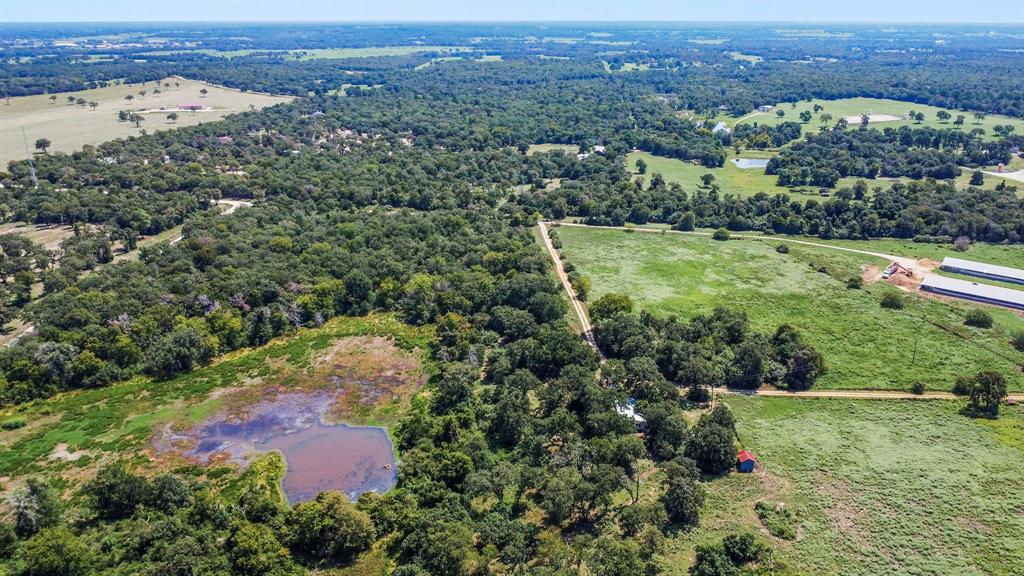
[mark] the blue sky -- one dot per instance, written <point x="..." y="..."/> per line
<point x="995" y="11"/>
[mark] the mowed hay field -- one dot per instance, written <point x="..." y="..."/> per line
<point x="69" y="127"/>
<point x="874" y="487"/>
<point x="746" y="182"/>
<point x="864" y="345"/>
<point x="857" y="106"/>
<point x="731" y="179"/>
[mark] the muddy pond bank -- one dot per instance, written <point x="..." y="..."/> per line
<point x="320" y="454"/>
<point x="306" y="414"/>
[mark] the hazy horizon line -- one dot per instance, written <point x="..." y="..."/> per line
<point x="517" y="21"/>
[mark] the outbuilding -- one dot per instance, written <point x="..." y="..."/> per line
<point x="987" y="294"/>
<point x="983" y="270"/>
<point x="745" y="461"/>
<point x="629" y="411"/>
<point x="765" y="108"/>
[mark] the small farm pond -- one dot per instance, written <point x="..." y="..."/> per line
<point x="319" y="455"/>
<point x="746" y="163"/>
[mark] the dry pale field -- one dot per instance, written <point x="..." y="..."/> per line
<point x="69" y="127"/>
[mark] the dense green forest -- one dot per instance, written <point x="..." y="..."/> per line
<point x="418" y="195"/>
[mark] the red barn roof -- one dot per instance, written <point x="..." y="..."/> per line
<point x="746" y="455"/>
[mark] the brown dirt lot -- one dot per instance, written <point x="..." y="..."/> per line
<point x="371" y="376"/>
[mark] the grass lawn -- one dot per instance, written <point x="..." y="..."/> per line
<point x="864" y="345"/>
<point x="49" y="236"/>
<point x="541" y="148"/>
<point x="746" y="182"/>
<point x="875" y="487"/>
<point x="120" y="420"/>
<point x="627" y="67"/>
<point x="69" y="127"/>
<point x="742" y="182"/>
<point x="858" y="106"/>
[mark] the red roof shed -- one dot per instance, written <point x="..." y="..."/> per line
<point x="746" y="461"/>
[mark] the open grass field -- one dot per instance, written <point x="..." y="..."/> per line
<point x="541" y="148"/>
<point x="858" y="106"/>
<point x="742" y="182"/>
<point x="732" y="180"/>
<point x="864" y="345"/>
<point x="746" y="182"/>
<point x="95" y="426"/>
<point x="874" y="487"/>
<point x="69" y="127"/>
<point x="49" y="236"/>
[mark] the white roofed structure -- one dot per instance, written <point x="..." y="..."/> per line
<point x="982" y="270"/>
<point x="985" y="293"/>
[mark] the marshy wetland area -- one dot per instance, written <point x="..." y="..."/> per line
<point x="323" y="400"/>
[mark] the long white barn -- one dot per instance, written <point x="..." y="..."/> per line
<point x="996" y="295"/>
<point x="982" y="270"/>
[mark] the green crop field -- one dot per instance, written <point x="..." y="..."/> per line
<point x="864" y="345"/>
<point x="857" y="106"/>
<point x="874" y="487"/>
<point x="69" y="127"/>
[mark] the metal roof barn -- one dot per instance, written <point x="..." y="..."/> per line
<point x="982" y="270"/>
<point x="984" y="293"/>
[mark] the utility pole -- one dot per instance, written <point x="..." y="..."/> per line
<point x="31" y="164"/>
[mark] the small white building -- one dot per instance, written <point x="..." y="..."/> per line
<point x="721" y="127"/>
<point x="629" y="411"/>
<point x="765" y="108"/>
<point x="598" y="149"/>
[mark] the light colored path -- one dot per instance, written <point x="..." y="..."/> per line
<point x="854" y="394"/>
<point x="577" y="306"/>
<point x="1017" y="175"/>
<point x="232" y="206"/>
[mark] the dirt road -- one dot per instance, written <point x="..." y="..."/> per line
<point x="854" y="394"/>
<point x="232" y="206"/>
<point x="577" y="306"/>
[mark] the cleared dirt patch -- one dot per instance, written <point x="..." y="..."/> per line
<point x="61" y="452"/>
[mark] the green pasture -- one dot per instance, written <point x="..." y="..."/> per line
<point x="746" y="182"/>
<point x="858" y="106"/>
<point x="864" y="345"/>
<point x="873" y="487"/>
<point x="542" y="148"/>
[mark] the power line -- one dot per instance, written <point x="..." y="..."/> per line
<point x="31" y="164"/>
